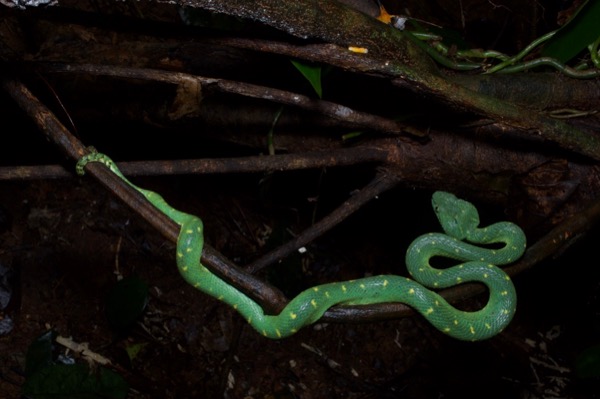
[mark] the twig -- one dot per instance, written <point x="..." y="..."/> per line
<point x="251" y="164"/>
<point x="83" y="350"/>
<point x="390" y="47"/>
<point x="263" y="293"/>
<point x="336" y="111"/>
<point x="271" y="298"/>
<point x="556" y="241"/>
<point x="381" y="183"/>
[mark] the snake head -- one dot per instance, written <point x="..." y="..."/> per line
<point x="457" y="217"/>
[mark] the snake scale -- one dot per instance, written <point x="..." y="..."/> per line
<point x="460" y="222"/>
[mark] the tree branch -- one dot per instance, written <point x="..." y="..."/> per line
<point x="332" y="22"/>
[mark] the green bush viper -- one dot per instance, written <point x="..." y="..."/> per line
<point x="459" y="220"/>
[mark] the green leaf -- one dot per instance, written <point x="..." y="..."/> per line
<point x="134" y="350"/>
<point x="587" y="364"/>
<point x="39" y="353"/>
<point x="74" y="382"/>
<point x="352" y="135"/>
<point x="312" y="73"/>
<point x="126" y="302"/>
<point x="575" y="35"/>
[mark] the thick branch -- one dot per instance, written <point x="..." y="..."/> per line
<point x="321" y="20"/>
<point x="66" y="142"/>
<point x="328" y="21"/>
<point x="193" y="86"/>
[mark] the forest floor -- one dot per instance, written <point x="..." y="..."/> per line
<point x="67" y="242"/>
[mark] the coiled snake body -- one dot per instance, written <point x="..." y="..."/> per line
<point x="459" y="220"/>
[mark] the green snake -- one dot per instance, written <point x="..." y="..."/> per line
<point x="459" y="220"/>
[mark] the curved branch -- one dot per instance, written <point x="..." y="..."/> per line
<point x="331" y="22"/>
<point x="556" y="241"/>
<point x="338" y="112"/>
<point x="383" y="182"/>
<point x="270" y="297"/>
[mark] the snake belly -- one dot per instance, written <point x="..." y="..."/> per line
<point x="458" y="218"/>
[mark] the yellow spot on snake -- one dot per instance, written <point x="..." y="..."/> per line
<point x="315" y="289"/>
<point x="411" y="291"/>
<point x="344" y="288"/>
<point x="363" y="286"/>
<point x="429" y="311"/>
<point x="196" y="285"/>
<point x="385" y="283"/>
<point x="472" y="329"/>
<point x="447" y="329"/>
<point x="184" y="268"/>
<point x="458" y="279"/>
<point x="278" y="333"/>
<point x="189" y="231"/>
<point x="455" y="322"/>
<point x="188" y="249"/>
<point x="485" y="275"/>
<point x="504" y="293"/>
<point x="488" y="326"/>
<point x="179" y="255"/>
<point x="327" y="294"/>
<point x="313" y="303"/>
<point x="235" y="306"/>
<point x="264" y="333"/>
<point x="293" y="315"/>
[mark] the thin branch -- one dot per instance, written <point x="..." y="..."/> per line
<point x="335" y="111"/>
<point x="558" y="239"/>
<point x="380" y="184"/>
<point x="251" y="164"/>
<point x="555" y="242"/>
<point x="38" y="172"/>
<point x="265" y="294"/>
<point x="303" y="18"/>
